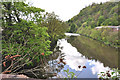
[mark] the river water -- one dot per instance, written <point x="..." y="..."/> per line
<point x="82" y="51"/>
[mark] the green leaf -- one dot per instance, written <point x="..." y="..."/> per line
<point x="72" y="73"/>
<point x="112" y="73"/>
<point x="102" y="72"/>
<point x="67" y="70"/>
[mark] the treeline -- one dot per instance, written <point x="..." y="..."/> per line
<point x="106" y="35"/>
<point x="103" y="14"/>
<point x="28" y="35"/>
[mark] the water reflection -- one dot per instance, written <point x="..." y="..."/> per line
<point x="73" y="59"/>
<point x="96" y="50"/>
<point x="82" y="51"/>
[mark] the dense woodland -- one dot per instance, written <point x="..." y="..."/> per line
<point x="103" y="14"/>
<point x="29" y="35"/>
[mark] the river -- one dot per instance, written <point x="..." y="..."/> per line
<point x="82" y="51"/>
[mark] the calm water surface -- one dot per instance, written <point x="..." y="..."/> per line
<point x="80" y="50"/>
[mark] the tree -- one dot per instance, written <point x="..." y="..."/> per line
<point x="100" y="20"/>
<point x="23" y="39"/>
<point x="93" y="24"/>
<point x="56" y="27"/>
<point x="73" y="28"/>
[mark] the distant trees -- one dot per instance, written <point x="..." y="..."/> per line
<point x="102" y="14"/>
<point x="101" y="19"/>
<point x="105" y="35"/>
<point x="73" y="28"/>
<point x="93" y="24"/>
<point x="110" y="22"/>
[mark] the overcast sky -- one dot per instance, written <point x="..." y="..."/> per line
<point x="65" y="9"/>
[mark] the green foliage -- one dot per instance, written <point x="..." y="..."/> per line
<point x="100" y="20"/>
<point x="70" y="74"/>
<point x="105" y="35"/>
<point x="115" y="74"/>
<point x="56" y="27"/>
<point x="103" y="14"/>
<point x="27" y="37"/>
<point x="28" y="34"/>
<point x="20" y="31"/>
<point x="96" y="15"/>
<point x="73" y="28"/>
<point x="23" y="35"/>
<point x="96" y="34"/>
<point x="14" y="12"/>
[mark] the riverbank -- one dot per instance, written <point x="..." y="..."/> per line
<point x="16" y="77"/>
<point x="104" y="35"/>
<point x="12" y="76"/>
<point x="106" y="43"/>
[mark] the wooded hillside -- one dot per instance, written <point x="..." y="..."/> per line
<point x="102" y="14"/>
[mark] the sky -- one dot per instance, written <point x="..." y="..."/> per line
<point x="65" y="9"/>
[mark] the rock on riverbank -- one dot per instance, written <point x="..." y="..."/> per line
<point x="12" y="76"/>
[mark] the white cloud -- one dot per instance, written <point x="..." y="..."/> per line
<point x="65" y="9"/>
<point x="72" y="57"/>
<point x="98" y="67"/>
